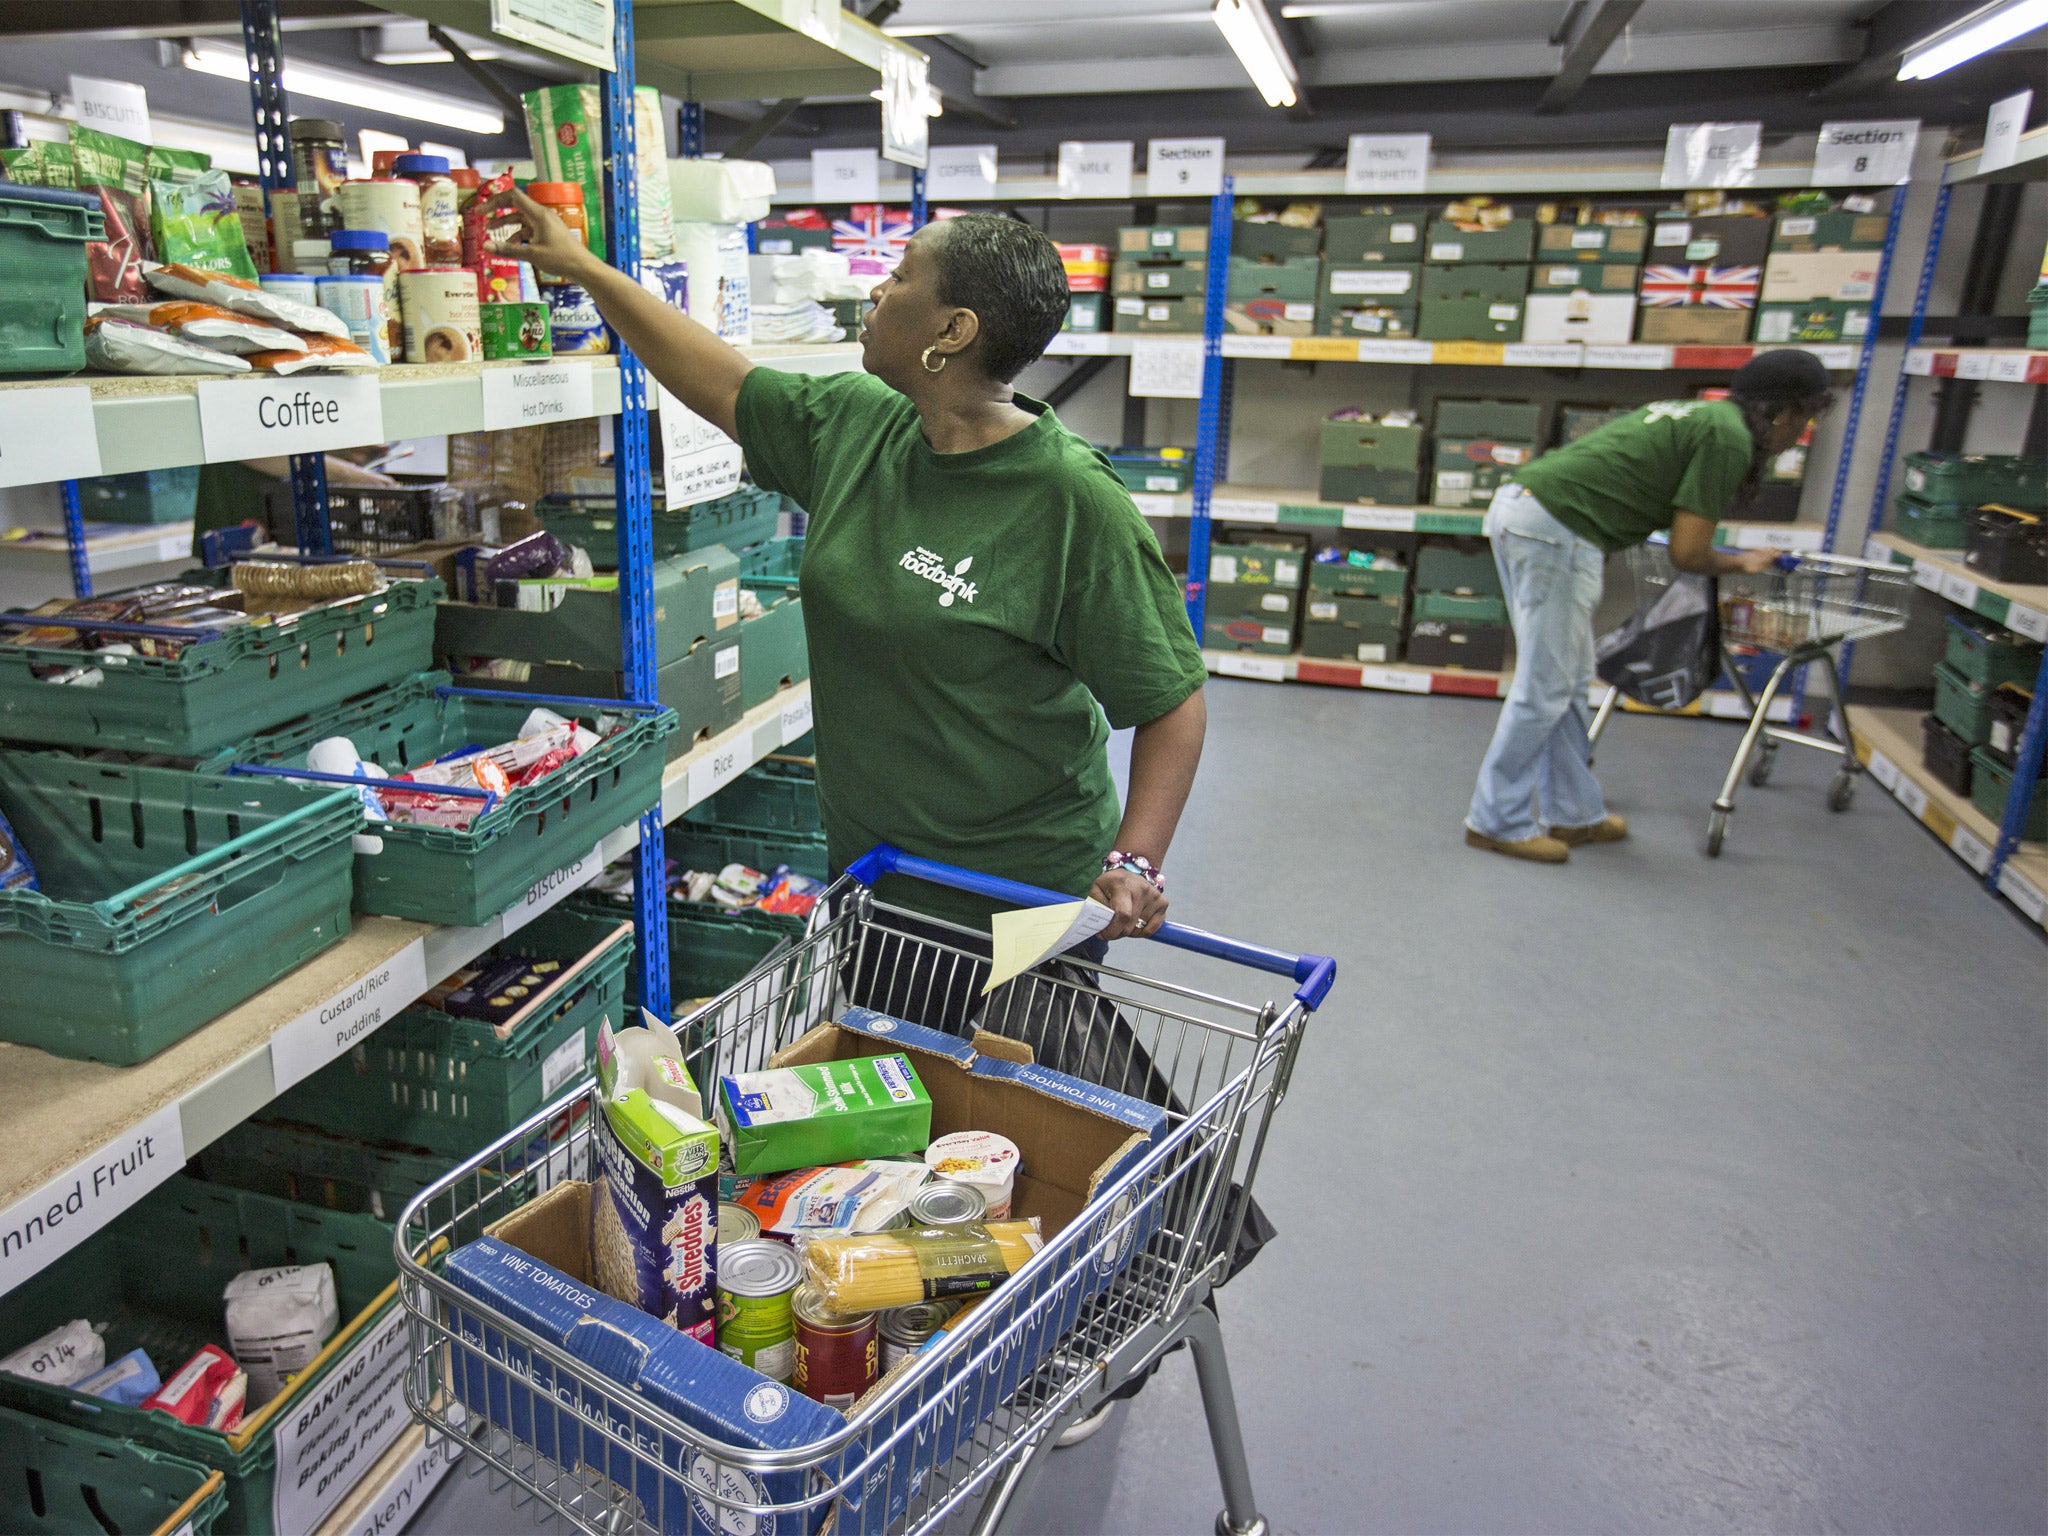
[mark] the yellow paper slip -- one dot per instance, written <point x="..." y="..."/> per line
<point x="1029" y="935"/>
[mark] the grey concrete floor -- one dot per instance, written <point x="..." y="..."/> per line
<point x="1651" y="1193"/>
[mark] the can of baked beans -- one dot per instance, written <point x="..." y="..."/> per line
<point x="837" y="1353"/>
<point x="756" y="1279"/>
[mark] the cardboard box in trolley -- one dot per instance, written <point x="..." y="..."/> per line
<point x="534" y="1269"/>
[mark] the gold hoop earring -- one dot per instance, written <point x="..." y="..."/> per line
<point x="927" y="359"/>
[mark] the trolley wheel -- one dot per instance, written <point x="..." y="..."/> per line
<point x="1841" y="791"/>
<point x="1717" y="832"/>
<point x="1258" y="1527"/>
<point x="1760" y="766"/>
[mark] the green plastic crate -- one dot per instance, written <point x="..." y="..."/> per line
<point x="58" y="1479"/>
<point x="1967" y="480"/>
<point x="151" y="496"/>
<point x="166" y="898"/>
<point x="773" y="802"/>
<point x="282" y="1160"/>
<point x="1988" y="655"/>
<point x="248" y="679"/>
<point x="774" y="652"/>
<point x="696" y="597"/>
<point x="1468" y="610"/>
<point x="155" y="1278"/>
<point x="709" y="949"/>
<point x="469" y="876"/>
<point x="694" y="846"/>
<point x="1462" y="565"/>
<point x="1931" y="525"/>
<point x="772" y="565"/>
<point x="747" y="516"/>
<point x="453" y="1085"/>
<point x="1961" y="705"/>
<point x="43" y="233"/>
<point x="1991" y="787"/>
<point x="1342" y="579"/>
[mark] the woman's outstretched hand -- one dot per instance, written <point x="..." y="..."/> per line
<point x="540" y="237"/>
<point x="1139" y="908"/>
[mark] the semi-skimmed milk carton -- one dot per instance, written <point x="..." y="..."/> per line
<point x="654" y="1210"/>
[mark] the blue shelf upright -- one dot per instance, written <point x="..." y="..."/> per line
<point x="1212" y="433"/>
<point x="264" y="40"/>
<point x="918" y="211"/>
<point x="633" y="486"/>
<point x="74" y="540"/>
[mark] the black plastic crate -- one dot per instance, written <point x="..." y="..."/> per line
<point x="2009" y="705"/>
<point x="373" y="519"/>
<point x="2006" y="544"/>
<point x="1946" y="755"/>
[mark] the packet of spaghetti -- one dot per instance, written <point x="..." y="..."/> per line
<point x="874" y="1271"/>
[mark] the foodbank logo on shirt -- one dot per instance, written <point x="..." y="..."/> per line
<point x="932" y="567"/>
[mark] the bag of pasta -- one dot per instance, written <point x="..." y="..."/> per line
<point x="876" y="1271"/>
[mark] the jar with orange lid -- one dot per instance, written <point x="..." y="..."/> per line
<point x="565" y="198"/>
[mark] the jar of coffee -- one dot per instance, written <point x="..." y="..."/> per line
<point x="319" y="167"/>
<point x="367" y="253"/>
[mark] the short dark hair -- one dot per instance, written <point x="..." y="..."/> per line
<point x="1012" y="277"/>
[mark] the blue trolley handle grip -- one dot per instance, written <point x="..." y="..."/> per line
<point x="1313" y="974"/>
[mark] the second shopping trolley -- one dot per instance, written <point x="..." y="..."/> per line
<point x="1802" y="611"/>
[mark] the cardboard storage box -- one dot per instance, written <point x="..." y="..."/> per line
<point x="1592" y="243"/>
<point x="1180" y="317"/>
<point x="774" y="653"/>
<point x="1269" y="565"/>
<point x="1255" y="239"/>
<point x="1357" y="484"/>
<point x="1513" y="421"/>
<point x="1575" y="421"/>
<point x="1793" y="277"/>
<point x="1464" y="607"/>
<point x="1569" y="277"/>
<point x="1385" y="282"/>
<point x="1374" y="237"/>
<point x="1087" y="312"/>
<point x="1267" y="604"/>
<point x="1512" y="241"/>
<point x="1366" y="321"/>
<point x="1836" y="231"/>
<point x="1457" y="565"/>
<point x="1370" y="612"/>
<point x="1665" y="287"/>
<point x="1694" y="324"/>
<point x="1451" y="643"/>
<point x="1473" y="280"/>
<point x="706" y="688"/>
<point x="1249" y="633"/>
<point x="1725" y="240"/>
<point x="1813" y="320"/>
<point x="1602" y="318"/>
<point x="1270" y="317"/>
<point x="1370" y="443"/>
<point x="1367" y="640"/>
<point x="1470" y="320"/>
<point x="1461" y="485"/>
<point x="1169" y="278"/>
<point x="1295" y="279"/>
<point x="1337" y="578"/>
<point x="1163" y="240"/>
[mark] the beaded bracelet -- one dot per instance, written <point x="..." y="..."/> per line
<point x="1138" y="865"/>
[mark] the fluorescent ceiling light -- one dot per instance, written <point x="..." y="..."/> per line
<point x="351" y="90"/>
<point x="409" y="42"/>
<point x="1249" y="31"/>
<point x="1989" y="27"/>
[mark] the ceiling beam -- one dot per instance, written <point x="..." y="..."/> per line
<point x="764" y="126"/>
<point x="952" y="74"/>
<point x="27" y="21"/>
<point x="1584" y="53"/>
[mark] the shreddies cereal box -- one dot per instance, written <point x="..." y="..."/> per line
<point x="654" y="1211"/>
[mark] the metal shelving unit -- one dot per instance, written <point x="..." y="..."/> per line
<point x="2018" y="873"/>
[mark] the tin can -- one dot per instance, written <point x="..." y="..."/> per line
<point x="736" y="1224"/>
<point x="906" y="1330"/>
<point x="837" y="1353"/>
<point x="756" y="1279"/>
<point x="943" y="1203"/>
<point x="576" y="324"/>
<point x="515" y="330"/>
<point x="440" y="312"/>
<point x="359" y="300"/>
<point x="392" y="206"/>
<point x="299" y="287"/>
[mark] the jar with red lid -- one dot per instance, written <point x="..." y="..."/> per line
<point x="440" y="215"/>
<point x="565" y="198"/>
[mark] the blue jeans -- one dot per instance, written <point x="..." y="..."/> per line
<point x="1536" y="772"/>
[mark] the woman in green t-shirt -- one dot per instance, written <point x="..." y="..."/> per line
<point x="1680" y="465"/>
<point x="979" y="590"/>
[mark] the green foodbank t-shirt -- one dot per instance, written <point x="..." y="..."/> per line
<point x="1618" y="485"/>
<point x="971" y="618"/>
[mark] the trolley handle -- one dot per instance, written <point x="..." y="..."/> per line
<point x="1313" y="974"/>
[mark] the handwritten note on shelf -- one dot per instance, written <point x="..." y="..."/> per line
<point x="1166" y="367"/>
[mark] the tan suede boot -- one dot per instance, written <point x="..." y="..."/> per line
<point x="1538" y="850"/>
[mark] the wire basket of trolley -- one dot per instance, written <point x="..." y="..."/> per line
<point x="1801" y="611"/>
<point x="1140" y="1107"/>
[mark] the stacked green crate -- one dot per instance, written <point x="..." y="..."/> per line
<point x="1354" y="611"/>
<point x="1253" y="602"/>
<point x="1160" y="278"/>
<point x="1939" y="492"/>
<point x="1273" y="296"/>
<point x="1480" y="443"/>
<point x="1372" y="276"/>
<point x="1372" y="462"/>
<point x="1979" y="659"/>
<point x="774" y="649"/>
<point x="1460" y="617"/>
<point x="1153" y="471"/>
<point x="1474" y="281"/>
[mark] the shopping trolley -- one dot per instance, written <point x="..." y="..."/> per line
<point x="957" y="1440"/>
<point x="1801" y="611"/>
